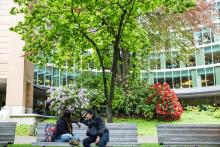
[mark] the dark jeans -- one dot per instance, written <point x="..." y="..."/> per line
<point x="104" y="139"/>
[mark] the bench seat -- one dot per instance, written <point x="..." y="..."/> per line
<point x="120" y="135"/>
<point x="189" y="134"/>
<point x="7" y="133"/>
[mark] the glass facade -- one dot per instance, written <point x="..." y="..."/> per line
<point x="199" y="71"/>
<point x="52" y="76"/>
<point x="201" y="68"/>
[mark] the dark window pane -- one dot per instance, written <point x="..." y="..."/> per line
<point x="203" y="80"/>
<point x="48" y="81"/>
<point x="56" y="81"/>
<point x="208" y="58"/>
<point x="49" y="70"/>
<point x="161" y="80"/>
<point x="40" y="79"/>
<point x="210" y="79"/>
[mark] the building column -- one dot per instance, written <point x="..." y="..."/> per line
<point x="196" y="79"/>
<point x="151" y="78"/>
<point x="29" y="93"/>
<point x="217" y="77"/>
<point x="19" y="93"/>
<point x="200" y="58"/>
<point x="162" y="61"/>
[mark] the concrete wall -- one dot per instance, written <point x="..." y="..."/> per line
<point x="19" y="73"/>
<point x="4" y="38"/>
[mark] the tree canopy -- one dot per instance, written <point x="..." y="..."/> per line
<point x="62" y="32"/>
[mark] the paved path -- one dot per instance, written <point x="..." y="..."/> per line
<point x="30" y="139"/>
<point x="147" y="139"/>
<point x="24" y="139"/>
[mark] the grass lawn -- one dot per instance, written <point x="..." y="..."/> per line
<point x="148" y="127"/>
<point x="28" y="145"/>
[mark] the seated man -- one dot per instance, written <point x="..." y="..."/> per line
<point x="97" y="131"/>
<point x="63" y="132"/>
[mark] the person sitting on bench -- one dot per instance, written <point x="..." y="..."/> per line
<point x="97" y="131"/>
<point x="63" y="132"/>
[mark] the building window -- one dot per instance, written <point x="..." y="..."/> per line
<point x="198" y="38"/>
<point x="155" y="80"/>
<point x="185" y="82"/>
<point x="169" y="79"/>
<point x="191" y="61"/>
<point x="190" y="79"/>
<point x="55" y="77"/>
<point x="175" y="63"/>
<point x="216" y="57"/>
<point x="206" y="37"/>
<point x="41" y="76"/>
<point x="35" y="77"/>
<point x="161" y="80"/>
<point x="70" y="79"/>
<point x="176" y="79"/>
<point x="210" y="79"/>
<point x="185" y="79"/>
<point x="155" y="62"/>
<point x="208" y="58"/>
<point x="203" y="80"/>
<point x="168" y="64"/>
<point x="56" y="81"/>
<point x="48" y="81"/>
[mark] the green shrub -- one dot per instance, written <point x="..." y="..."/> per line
<point x="192" y="109"/>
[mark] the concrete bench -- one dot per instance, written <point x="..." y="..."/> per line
<point x="120" y="135"/>
<point x="7" y="133"/>
<point x="189" y="134"/>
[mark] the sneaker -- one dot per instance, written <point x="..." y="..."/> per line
<point x="74" y="142"/>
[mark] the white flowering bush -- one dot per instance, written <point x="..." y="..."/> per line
<point x="68" y="97"/>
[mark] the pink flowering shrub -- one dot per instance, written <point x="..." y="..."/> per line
<point x="165" y="101"/>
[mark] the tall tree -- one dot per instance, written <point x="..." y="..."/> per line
<point x="61" y="31"/>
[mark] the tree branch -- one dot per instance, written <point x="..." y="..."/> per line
<point x="128" y="15"/>
<point x="110" y="29"/>
<point x="100" y="59"/>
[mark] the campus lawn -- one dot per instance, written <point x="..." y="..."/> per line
<point x="148" y="127"/>
<point x="29" y="145"/>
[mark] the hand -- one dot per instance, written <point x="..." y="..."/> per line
<point x="79" y="125"/>
<point x="97" y="140"/>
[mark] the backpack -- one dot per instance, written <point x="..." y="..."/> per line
<point x="49" y="131"/>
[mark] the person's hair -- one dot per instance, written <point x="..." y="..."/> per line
<point x="91" y="112"/>
<point x="67" y="114"/>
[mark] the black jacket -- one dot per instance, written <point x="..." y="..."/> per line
<point x="62" y="128"/>
<point x="96" y="122"/>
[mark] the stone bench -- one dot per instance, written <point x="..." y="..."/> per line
<point x="189" y="134"/>
<point x="7" y="133"/>
<point x="120" y="135"/>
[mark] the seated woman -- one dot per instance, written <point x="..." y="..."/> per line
<point x="64" y="130"/>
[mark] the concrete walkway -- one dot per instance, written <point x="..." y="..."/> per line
<point x="24" y="139"/>
<point x="30" y="139"/>
<point x="147" y="139"/>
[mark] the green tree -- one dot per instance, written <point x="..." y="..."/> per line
<point x="62" y="31"/>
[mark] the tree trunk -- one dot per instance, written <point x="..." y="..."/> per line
<point x="112" y="86"/>
<point x="114" y="67"/>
